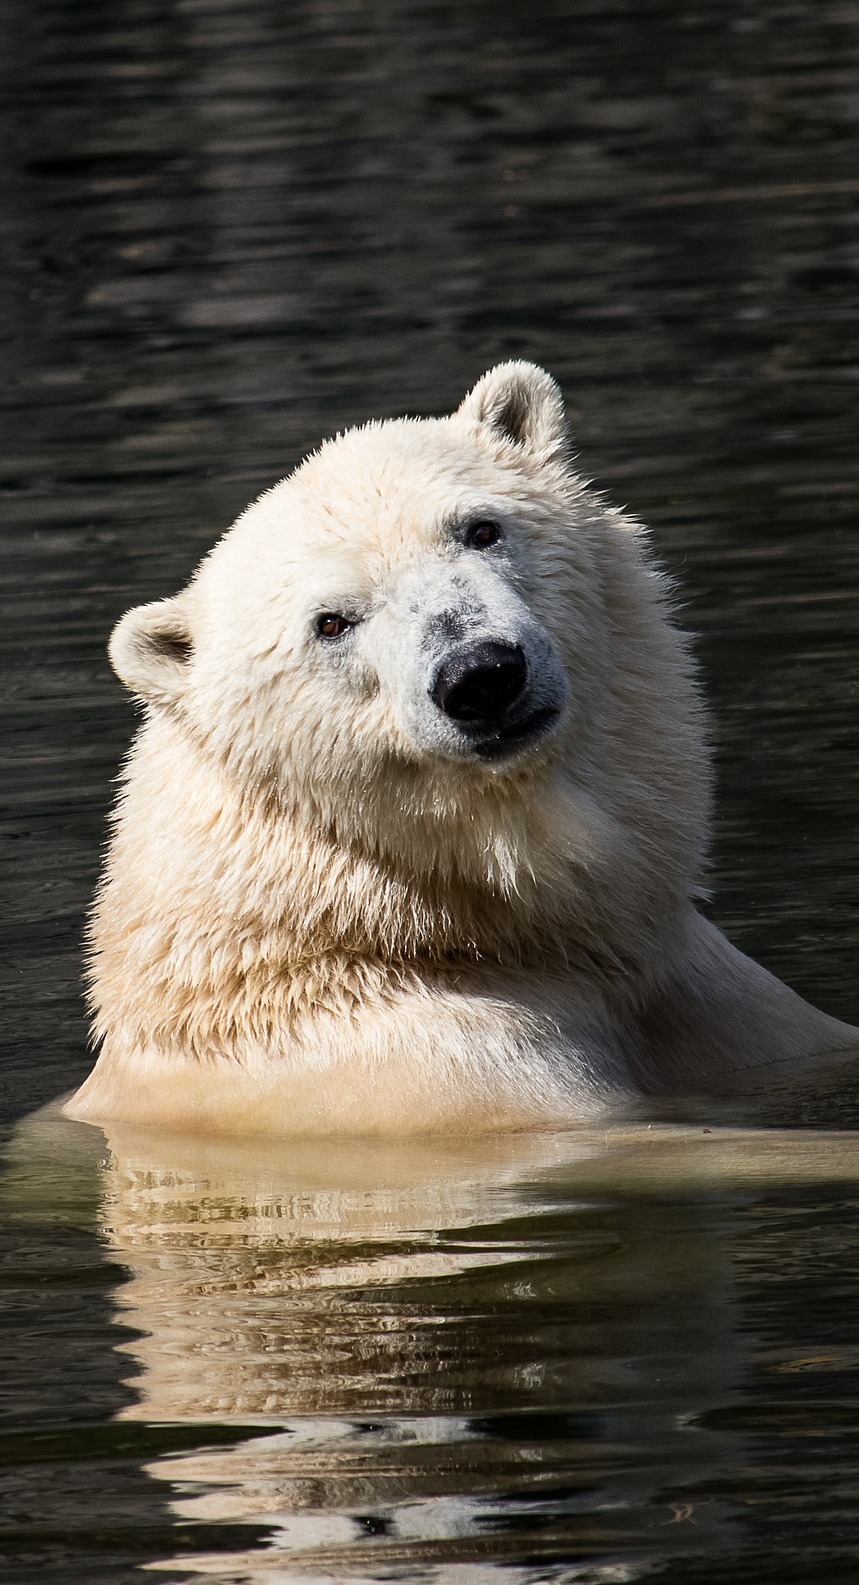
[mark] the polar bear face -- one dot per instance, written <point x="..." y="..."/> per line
<point x="403" y="590"/>
<point x="417" y="607"/>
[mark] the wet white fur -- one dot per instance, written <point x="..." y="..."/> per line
<point x="323" y="913"/>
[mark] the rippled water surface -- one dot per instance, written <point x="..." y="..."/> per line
<point x="229" y="229"/>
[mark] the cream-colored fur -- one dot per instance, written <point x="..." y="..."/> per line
<point x="328" y="908"/>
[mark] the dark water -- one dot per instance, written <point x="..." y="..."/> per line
<point x="228" y="229"/>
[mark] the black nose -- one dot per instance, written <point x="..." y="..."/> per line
<point x="480" y="683"/>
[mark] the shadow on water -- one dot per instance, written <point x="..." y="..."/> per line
<point x="228" y="229"/>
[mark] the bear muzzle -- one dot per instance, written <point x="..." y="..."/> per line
<point x="484" y="690"/>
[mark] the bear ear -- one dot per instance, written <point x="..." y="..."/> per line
<point x="520" y="402"/>
<point x="150" y="650"/>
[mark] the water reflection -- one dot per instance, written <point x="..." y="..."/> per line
<point x="519" y="1352"/>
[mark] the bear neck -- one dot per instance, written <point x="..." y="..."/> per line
<point x="209" y="879"/>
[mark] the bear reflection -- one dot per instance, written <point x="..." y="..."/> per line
<point x="484" y="1350"/>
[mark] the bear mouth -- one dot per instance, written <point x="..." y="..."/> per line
<point x="501" y="741"/>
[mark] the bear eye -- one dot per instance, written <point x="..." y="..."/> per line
<point x="332" y="625"/>
<point x="483" y="533"/>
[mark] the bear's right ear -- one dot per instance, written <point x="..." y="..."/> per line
<point x="150" y="650"/>
<point x="520" y="402"/>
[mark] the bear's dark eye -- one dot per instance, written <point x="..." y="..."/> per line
<point x="483" y="533"/>
<point x="332" y="625"/>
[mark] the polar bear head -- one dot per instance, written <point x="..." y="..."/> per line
<point x="427" y="619"/>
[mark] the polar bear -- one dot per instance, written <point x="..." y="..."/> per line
<point x="411" y="837"/>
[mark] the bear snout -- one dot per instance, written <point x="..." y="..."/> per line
<point x="479" y="684"/>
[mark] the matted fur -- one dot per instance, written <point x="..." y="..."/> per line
<point x="321" y="910"/>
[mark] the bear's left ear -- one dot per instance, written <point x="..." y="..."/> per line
<point x="520" y="402"/>
<point x="151" y="649"/>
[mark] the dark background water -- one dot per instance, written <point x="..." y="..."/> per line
<point x="231" y="228"/>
